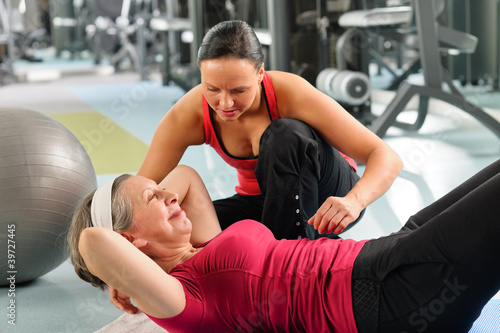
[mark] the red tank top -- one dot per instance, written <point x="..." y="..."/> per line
<point x="244" y="280"/>
<point x="245" y="166"/>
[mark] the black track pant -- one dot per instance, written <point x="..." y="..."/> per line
<point x="439" y="270"/>
<point x="296" y="171"/>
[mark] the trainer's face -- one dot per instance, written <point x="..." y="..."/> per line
<point x="230" y="86"/>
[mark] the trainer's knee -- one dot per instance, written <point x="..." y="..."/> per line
<point x="285" y="132"/>
<point x="289" y="126"/>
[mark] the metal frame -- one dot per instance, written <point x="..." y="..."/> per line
<point x="279" y="50"/>
<point x="434" y="77"/>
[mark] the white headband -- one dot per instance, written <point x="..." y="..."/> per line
<point x="101" y="206"/>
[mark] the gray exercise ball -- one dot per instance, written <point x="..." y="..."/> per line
<point x="44" y="173"/>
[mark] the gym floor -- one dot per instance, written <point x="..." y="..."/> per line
<point x="450" y="147"/>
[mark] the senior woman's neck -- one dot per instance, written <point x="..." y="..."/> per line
<point x="168" y="261"/>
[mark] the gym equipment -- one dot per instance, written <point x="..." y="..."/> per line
<point x="182" y="25"/>
<point x="44" y="173"/>
<point x="120" y="32"/>
<point x="304" y="34"/>
<point x="344" y="86"/>
<point x="394" y="24"/>
<point x="170" y="28"/>
<point x="431" y="38"/>
<point x="4" y="24"/>
<point x="68" y="21"/>
<point x="481" y="19"/>
<point x="6" y="44"/>
<point x="277" y="13"/>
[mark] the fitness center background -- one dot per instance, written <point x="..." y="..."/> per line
<point x="93" y="78"/>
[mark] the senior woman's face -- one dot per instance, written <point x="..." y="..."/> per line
<point x="156" y="212"/>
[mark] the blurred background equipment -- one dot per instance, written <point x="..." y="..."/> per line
<point x="344" y="86"/>
<point x="340" y="46"/>
<point x="481" y="19"/>
<point x="430" y="39"/>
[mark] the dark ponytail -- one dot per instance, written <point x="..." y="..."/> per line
<point x="231" y="39"/>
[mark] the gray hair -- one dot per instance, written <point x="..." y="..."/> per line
<point x="122" y="221"/>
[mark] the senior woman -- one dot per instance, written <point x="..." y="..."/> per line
<point x="136" y="236"/>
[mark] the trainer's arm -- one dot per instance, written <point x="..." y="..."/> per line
<point x="195" y="201"/>
<point x="341" y="130"/>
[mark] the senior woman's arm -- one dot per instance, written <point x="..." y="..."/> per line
<point x="120" y="264"/>
<point x="195" y="201"/>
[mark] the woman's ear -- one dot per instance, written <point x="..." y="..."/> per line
<point x="140" y="243"/>
<point x="137" y="242"/>
<point x="261" y="74"/>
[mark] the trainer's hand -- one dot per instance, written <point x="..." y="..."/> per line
<point x="121" y="301"/>
<point x="335" y="214"/>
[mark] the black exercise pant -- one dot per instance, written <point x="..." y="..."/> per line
<point x="439" y="270"/>
<point x="297" y="171"/>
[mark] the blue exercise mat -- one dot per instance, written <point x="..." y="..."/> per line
<point x="489" y="320"/>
